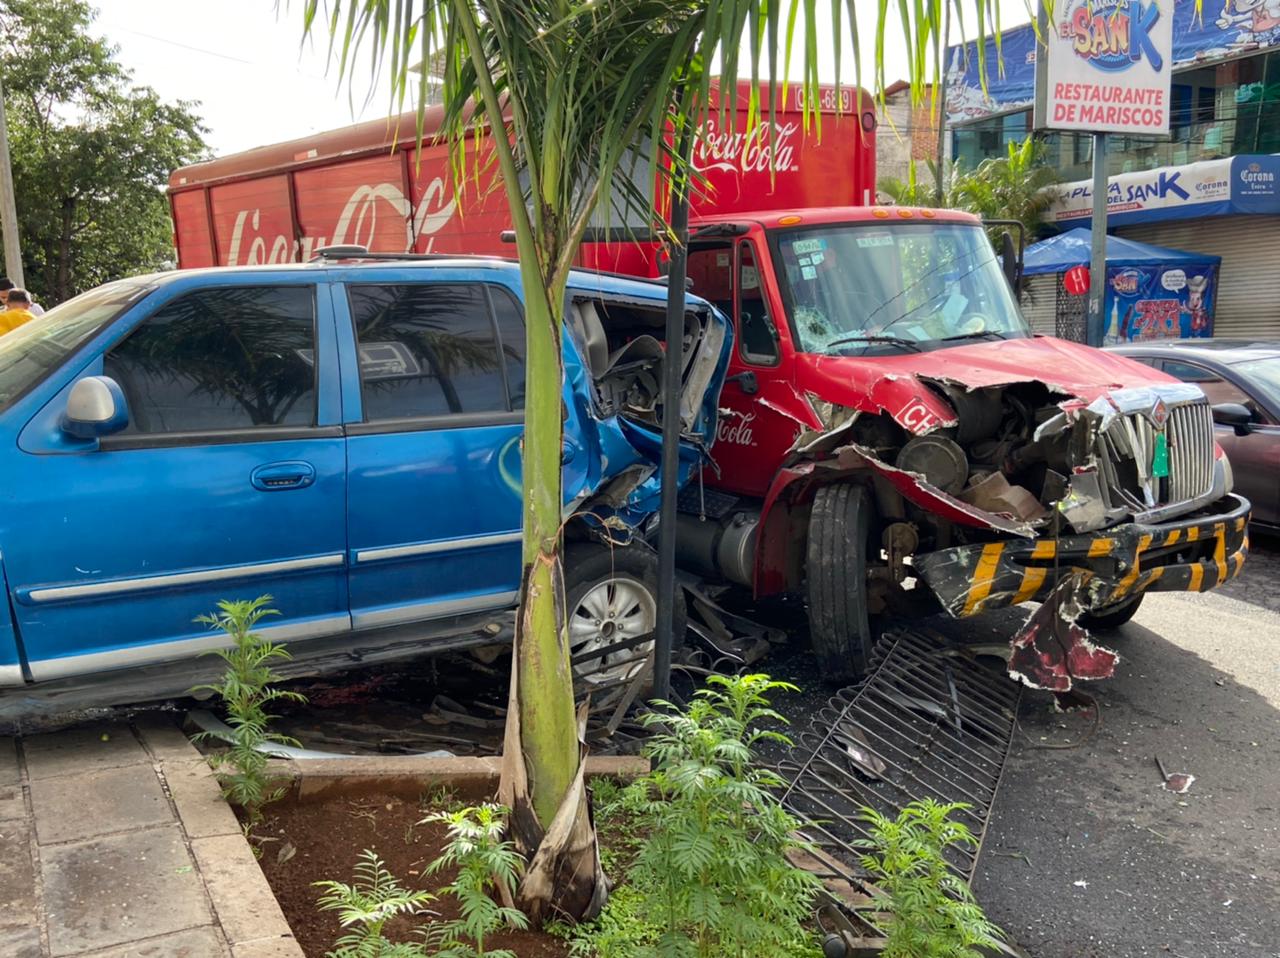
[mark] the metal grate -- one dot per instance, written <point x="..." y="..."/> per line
<point x="929" y="721"/>
<point x="1128" y="449"/>
<point x="1190" y="451"/>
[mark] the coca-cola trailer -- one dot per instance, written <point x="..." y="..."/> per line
<point x="891" y="436"/>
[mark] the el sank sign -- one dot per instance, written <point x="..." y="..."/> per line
<point x="1106" y="66"/>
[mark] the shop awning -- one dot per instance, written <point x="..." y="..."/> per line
<point x="1059" y="253"/>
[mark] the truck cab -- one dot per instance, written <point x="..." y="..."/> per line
<point x="893" y="437"/>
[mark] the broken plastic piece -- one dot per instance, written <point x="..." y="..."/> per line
<point x="996" y="494"/>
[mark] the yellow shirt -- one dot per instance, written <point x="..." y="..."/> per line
<point x="11" y="319"/>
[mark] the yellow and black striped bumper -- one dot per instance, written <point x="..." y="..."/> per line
<point x="1192" y="555"/>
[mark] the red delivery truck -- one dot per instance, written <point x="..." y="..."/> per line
<point x="892" y="436"/>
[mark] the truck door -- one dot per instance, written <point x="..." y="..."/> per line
<point x="755" y="433"/>
<point x="433" y="391"/>
<point x="228" y="482"/>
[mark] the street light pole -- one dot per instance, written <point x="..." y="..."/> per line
<point x="1095" y="326"/>
<point x="8" y="207"/>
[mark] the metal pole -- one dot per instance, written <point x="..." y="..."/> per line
<point x="1095" y="325"/>
<point x="8" y="207"/>
<point x="940" y="101"/>
<point x="664" y="640"/>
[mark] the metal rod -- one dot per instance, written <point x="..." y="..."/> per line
<point x="8" y="206"/>
<point x="1095" y="326"/>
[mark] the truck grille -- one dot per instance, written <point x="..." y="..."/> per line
<point x="1128" y="447"/>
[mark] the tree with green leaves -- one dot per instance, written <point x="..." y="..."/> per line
<point x="91" y="151"/>
<point x="567" y="95"/>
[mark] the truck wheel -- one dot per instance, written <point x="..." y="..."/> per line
<point x="611" y="594"/>
<point x="839" y="537"/>
<point x="1112" y="616"/>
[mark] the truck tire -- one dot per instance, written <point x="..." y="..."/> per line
<point x="1112" y="616"/>
<point x="839" y="538"/>
<point x="611" y="594"/>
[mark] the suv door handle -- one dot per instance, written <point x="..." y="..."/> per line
<point x="283" y="475"/>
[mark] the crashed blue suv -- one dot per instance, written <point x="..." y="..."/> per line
<point x="343" y="435"/>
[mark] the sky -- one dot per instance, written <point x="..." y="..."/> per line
<point x="258" y="82"/>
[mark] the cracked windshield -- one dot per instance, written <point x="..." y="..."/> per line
<point x="909" y="286"/>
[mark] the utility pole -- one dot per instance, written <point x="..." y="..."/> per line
<point x="940" y="102"/>
<point x="1095" y="325"/>
<point x="8" y="207"/>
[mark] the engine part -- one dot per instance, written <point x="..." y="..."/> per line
<point x="900" y="540"/>
<point x="978" y="411"/>
<point x="940" y="460"/>
<point x="726" y="548"/>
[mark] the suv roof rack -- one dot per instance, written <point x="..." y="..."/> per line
<point x="353" y="251"/>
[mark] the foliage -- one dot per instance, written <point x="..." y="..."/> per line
<point x="714" y="873"/>
<point x="246" y="691"/>
<point x="933" y="913"/>
<point x="91" y="152"/>
<point x="366" y="905"/>
<point x="485" y="864"/>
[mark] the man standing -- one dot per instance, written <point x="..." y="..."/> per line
<point x="6" y="284"/>
<point x="16" y="311"/>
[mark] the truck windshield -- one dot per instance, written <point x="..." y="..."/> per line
<point x="854" y="288"/>
<point x="35" y="349"/>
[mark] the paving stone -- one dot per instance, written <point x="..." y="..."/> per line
<point x="165" y="740"/>
<point x="268" y="948"/>
<point x="9" y="774"/>
<point x="196" y="943"/>
<point x="106" y="892"/>
<point x="201" y="807"/>
<point x="97" y="803"/>
<point x="17" y="892"/>
<point x="82" y="750"/>
<point x="247" y="910"/>
<point x="11" y="804"/>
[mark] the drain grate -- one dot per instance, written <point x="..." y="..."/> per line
<point x="929" y="721"/>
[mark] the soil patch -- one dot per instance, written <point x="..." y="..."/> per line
<point x="327" y="836"/>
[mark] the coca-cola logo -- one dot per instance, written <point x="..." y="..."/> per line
<point x="736" y="433"/>
<point x="733" y="151"/>
<point x="357" y="223"/>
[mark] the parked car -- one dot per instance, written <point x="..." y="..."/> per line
<point x="343" y="435"/>
<point x="1242" y="380"/>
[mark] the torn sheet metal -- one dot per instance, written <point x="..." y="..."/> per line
<point x="1052" y="650"/>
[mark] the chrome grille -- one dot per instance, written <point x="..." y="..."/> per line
<point x="1128" y="446"/>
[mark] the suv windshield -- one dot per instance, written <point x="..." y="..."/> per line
<point x="852" y="287"/>
<point x="33" y="350"/>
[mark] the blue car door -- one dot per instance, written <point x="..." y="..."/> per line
<point x="433" y="385"/>
<point x="229" y="481"/>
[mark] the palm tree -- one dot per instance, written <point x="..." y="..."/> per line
<point x="567" y="93"/>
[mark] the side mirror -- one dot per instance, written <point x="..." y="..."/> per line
<point x="1009" y="259"/>
<point x="95" y="408"/>
<point x="1236" y="415"/>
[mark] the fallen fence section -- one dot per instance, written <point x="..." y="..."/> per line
<point x="930" y="720"/>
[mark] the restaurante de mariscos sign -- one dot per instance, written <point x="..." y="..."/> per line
<point x="1106" y="66"/>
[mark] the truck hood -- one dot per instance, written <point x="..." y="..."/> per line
<point x="896" y="384"/>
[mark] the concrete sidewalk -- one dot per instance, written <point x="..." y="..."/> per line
<point x="115" y="843"/>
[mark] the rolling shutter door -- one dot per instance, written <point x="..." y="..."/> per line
<point x="1040" y="303"/>
<point x="1248" y="304"/>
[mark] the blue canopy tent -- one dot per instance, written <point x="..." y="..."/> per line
<point x="1151" y="292"/>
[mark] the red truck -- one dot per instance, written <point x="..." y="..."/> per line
<point x="892" y="436"/>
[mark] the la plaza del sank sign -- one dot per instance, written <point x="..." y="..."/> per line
<point x="1105" y="67"/>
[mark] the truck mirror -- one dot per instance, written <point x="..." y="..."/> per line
<point x="95" y="408"/>
<point x="1009" y="259"/>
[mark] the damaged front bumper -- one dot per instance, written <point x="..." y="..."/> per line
<point x="1194" y="554"/>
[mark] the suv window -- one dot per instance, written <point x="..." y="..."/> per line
<point x="226" y="358"/>
<point x="1216" y="388"/>
<point x="434" y="349"/>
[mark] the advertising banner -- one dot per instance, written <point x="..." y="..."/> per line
<point x="1107" y="67"/>
<point x="1159" y="301"/>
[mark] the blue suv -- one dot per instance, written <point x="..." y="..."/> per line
<point x="343" y="435"/>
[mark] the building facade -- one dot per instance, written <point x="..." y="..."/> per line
<point x="1212" y="186"/>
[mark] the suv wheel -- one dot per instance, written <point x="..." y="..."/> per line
<point x="839" y="538"/>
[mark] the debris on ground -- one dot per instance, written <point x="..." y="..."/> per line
<point x="1177" y="782"/>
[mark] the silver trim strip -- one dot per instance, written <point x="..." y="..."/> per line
<point x="400" y="614"/>
<point x="440" y="545"/>
<point x="11" y="676"/>
<point x="56" y="593"/>
<point x="156" y="652"/>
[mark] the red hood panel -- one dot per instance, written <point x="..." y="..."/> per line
<point x="892" y="382"/>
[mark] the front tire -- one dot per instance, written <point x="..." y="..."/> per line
<point x="1112" y="616"/>
<point x="839" y="538"/>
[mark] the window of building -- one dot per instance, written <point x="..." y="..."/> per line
<point x="225" y="358"/>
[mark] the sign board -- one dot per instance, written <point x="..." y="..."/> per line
<point x="1159" y="302"/>
<point x="1106" y="67"/>
<point x="1076" y="280"/>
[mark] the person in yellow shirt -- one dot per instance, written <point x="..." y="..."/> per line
<point x="17" y="311"/>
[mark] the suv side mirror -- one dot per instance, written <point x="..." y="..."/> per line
<point x="1235" y="415"/>
<point x="95" y="408"/>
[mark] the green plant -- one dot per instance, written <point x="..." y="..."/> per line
<point x="366" y="905"/>
<point x="485" y="864"/>
<point x="246" y="691"/>
<point x="714" y="871"/>
<point x="933" y="913"/>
